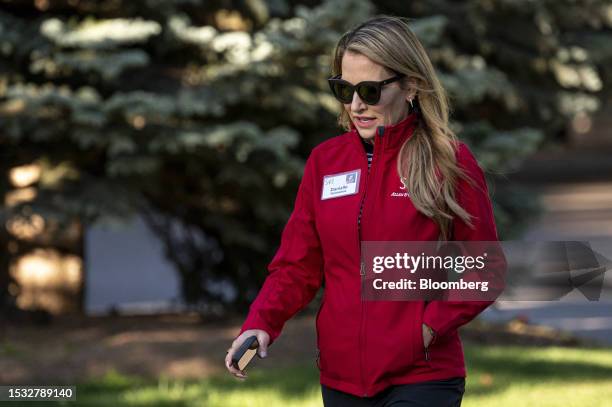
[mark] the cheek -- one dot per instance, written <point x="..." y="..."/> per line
<point x="392" y="103"/>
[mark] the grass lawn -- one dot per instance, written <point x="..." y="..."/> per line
<point x="500" y="376"/>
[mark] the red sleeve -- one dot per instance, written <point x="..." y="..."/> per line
<point x="446" y="316"/>
<point x="296" y="270"/>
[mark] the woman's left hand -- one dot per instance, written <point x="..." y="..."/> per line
<point x="427" y="336"/>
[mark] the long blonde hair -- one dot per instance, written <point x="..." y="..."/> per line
<point x="426" y="161"/>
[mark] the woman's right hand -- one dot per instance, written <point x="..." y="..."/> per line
<point x="262" y="351"/>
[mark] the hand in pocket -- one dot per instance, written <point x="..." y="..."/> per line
<point x="427" y="335"/>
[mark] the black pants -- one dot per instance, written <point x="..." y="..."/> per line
<point x="435" y="393"/>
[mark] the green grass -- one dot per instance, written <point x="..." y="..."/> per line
<point x="519" y="376"/>
<point x="500" y="376"/>
<point x="8" y="349"/>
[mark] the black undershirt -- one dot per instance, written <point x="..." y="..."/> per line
<point x="369" y="148"/>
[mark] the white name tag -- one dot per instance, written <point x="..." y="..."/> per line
<point x="342" y="184"/>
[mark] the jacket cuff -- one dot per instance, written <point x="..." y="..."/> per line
<point x="444" y="317"/>
<point x="436" y="320"/>
<point x="254" y="321"/>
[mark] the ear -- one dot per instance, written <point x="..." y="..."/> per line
<point x="412" y="89"/>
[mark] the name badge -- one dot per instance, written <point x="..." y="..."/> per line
<point x="342" y="184"/>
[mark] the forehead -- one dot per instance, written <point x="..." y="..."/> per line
<point x="358" y="67"/>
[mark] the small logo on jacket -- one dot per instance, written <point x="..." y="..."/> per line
<point x="401" y="194"/>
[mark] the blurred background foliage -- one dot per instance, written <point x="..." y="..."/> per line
<point x="198" y="115"/>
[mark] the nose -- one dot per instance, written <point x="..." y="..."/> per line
<point x="357" y="104"/>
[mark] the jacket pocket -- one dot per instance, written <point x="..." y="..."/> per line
<point x="424" y="352"/>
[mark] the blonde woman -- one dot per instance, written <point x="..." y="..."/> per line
<point x="398" y="173"/>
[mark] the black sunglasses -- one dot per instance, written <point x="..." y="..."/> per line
<point x="368" y="91"/>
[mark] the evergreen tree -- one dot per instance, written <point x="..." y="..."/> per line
<point x="199" y="115"/>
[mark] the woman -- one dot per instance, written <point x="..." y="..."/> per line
<point x="397" y="174"/>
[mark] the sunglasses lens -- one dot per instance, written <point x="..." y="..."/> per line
<point x="343" y="92"/>
<point x="368" y="94"/>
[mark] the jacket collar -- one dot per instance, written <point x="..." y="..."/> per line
<point x="393" y="135"/>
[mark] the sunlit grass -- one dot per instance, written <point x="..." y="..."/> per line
<point x="523" y="376"/>
<point x="500" y="376"/>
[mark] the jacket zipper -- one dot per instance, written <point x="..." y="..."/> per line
<point x="379" y="132"/>
<point x="362" y="273"/>
<point x="318" y="357"/>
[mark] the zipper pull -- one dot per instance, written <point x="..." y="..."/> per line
<point x="426" y="354"/>
<point x="362" y="268"/>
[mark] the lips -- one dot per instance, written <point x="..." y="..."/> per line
<point x="364" y="121"/>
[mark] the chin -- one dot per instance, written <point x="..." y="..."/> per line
<point x="367" y="133"/>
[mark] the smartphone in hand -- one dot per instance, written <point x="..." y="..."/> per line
<point x="245" y="352"/>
